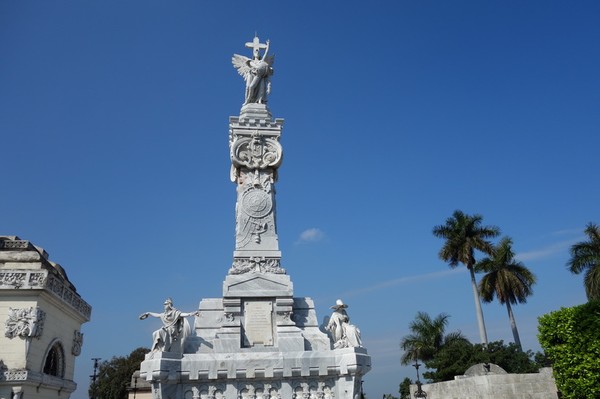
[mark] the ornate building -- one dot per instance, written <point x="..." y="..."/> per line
<point x="42" y="315"/>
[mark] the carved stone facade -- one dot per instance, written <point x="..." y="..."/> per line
<point x="42" y="315"/>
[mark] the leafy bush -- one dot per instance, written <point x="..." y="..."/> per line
<point x="571" y="339"/>
<point x="455" y="358"/>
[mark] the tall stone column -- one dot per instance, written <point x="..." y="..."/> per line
<point x="255" y="157"/>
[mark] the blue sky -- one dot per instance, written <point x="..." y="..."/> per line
<point x="114" y="123"/>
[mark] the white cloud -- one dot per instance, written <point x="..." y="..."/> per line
<point x="311" y="235"/>
<point x="405" y="280"/>
<point x="547" y="251"/>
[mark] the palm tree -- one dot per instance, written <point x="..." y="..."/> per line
<point x="585" y="256"/>
<point x="507" y="279"/>
<point x="427" y="337"/>
<point x="464" y="234"/>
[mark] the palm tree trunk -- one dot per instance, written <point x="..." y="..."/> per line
<point x="513" y="326"/>
<point x="480" y="322"/>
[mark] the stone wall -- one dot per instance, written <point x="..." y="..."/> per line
<point x="494" y="386"/>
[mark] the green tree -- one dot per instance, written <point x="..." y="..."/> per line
<point x="427" y="337"/>
<point x="507" y="279"/>
<point x="464" y="234"/>
<point x="455" y="358"/>
<point x="114" y="375"/>
<point x="585" y="257"/>
<point x="404" y="388"/>
<point x="570" y="338"/>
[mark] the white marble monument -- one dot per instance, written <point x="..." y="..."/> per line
<point x="258" y="341"/>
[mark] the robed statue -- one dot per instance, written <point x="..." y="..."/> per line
<point x="343" y="334"/>
<point x="175" y="329"/>
<point x="256" y="71"/>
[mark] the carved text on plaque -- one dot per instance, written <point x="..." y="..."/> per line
<point x="258" y="323"/>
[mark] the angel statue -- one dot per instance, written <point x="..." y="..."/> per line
<point x="256" y="71"/>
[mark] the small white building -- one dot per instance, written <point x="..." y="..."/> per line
<point x="42" y="314"/>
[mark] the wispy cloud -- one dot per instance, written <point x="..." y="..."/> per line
<point x="548" y="251"/>
<point x="311" y="235"/>
<point x="406" y="280"/>
<point x="566" y="232"/>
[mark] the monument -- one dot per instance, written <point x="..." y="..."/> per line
<point x="258" y="340"/>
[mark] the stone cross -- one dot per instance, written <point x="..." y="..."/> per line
<point x="256" y="45"/>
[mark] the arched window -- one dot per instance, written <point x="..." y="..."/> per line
<point x="55" y="361"/>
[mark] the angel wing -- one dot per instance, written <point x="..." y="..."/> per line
<point x="241" y="64"/>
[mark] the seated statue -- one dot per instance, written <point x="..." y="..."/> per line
<point x="175" y="329"/>
<point x="343" y="334"/>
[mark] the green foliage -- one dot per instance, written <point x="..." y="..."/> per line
<point x="464" y="234"/>
<point x="507" y="279"/>
<point x="585" y="257"/>
<point x="427" y="337"/>
<point x="404" y="388"/>
<point x="114" y="375"/>
<point x="571" y="339"/>
<point x="389" y="396"/>
<point x="455" y="358"/>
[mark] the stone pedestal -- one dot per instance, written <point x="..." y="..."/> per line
<point x="257" y="347"/>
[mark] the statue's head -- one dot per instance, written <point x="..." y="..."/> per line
<point x="339" y="305"/>
<point x="168" y="303"/>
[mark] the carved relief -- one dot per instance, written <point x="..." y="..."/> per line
<point x="14" y="244"/>
<point x="15" y="279"/>
<point x="37" y="279"/>
<point x="208" y="391"/>
<point x="13" y="375"/>
<point x="24" y="323"/>
<point x="255" y="210"/>
<point x="256" y="152"/>
<point x="229" y="317"/>
<point x="286" y="317"/>
<point x="77" y="343"/>
<point x="58" y="288"/>
<point x="313" y="389"/>
<point x="247" y="392"/>
<point x="257" y="265"/>
<point x="259" y="390"/>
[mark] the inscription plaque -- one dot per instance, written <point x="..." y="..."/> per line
<point x="258" y="323"/>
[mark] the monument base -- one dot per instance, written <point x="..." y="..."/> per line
<point x="286" y="356"/>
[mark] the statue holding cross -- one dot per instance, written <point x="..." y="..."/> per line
<point x="256" y="71"/>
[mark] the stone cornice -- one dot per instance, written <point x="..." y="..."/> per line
<point x="35" y="378"/>
<point x="19" y="279"/>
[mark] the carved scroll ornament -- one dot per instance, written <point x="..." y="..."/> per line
<point x="256" y="152"/>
